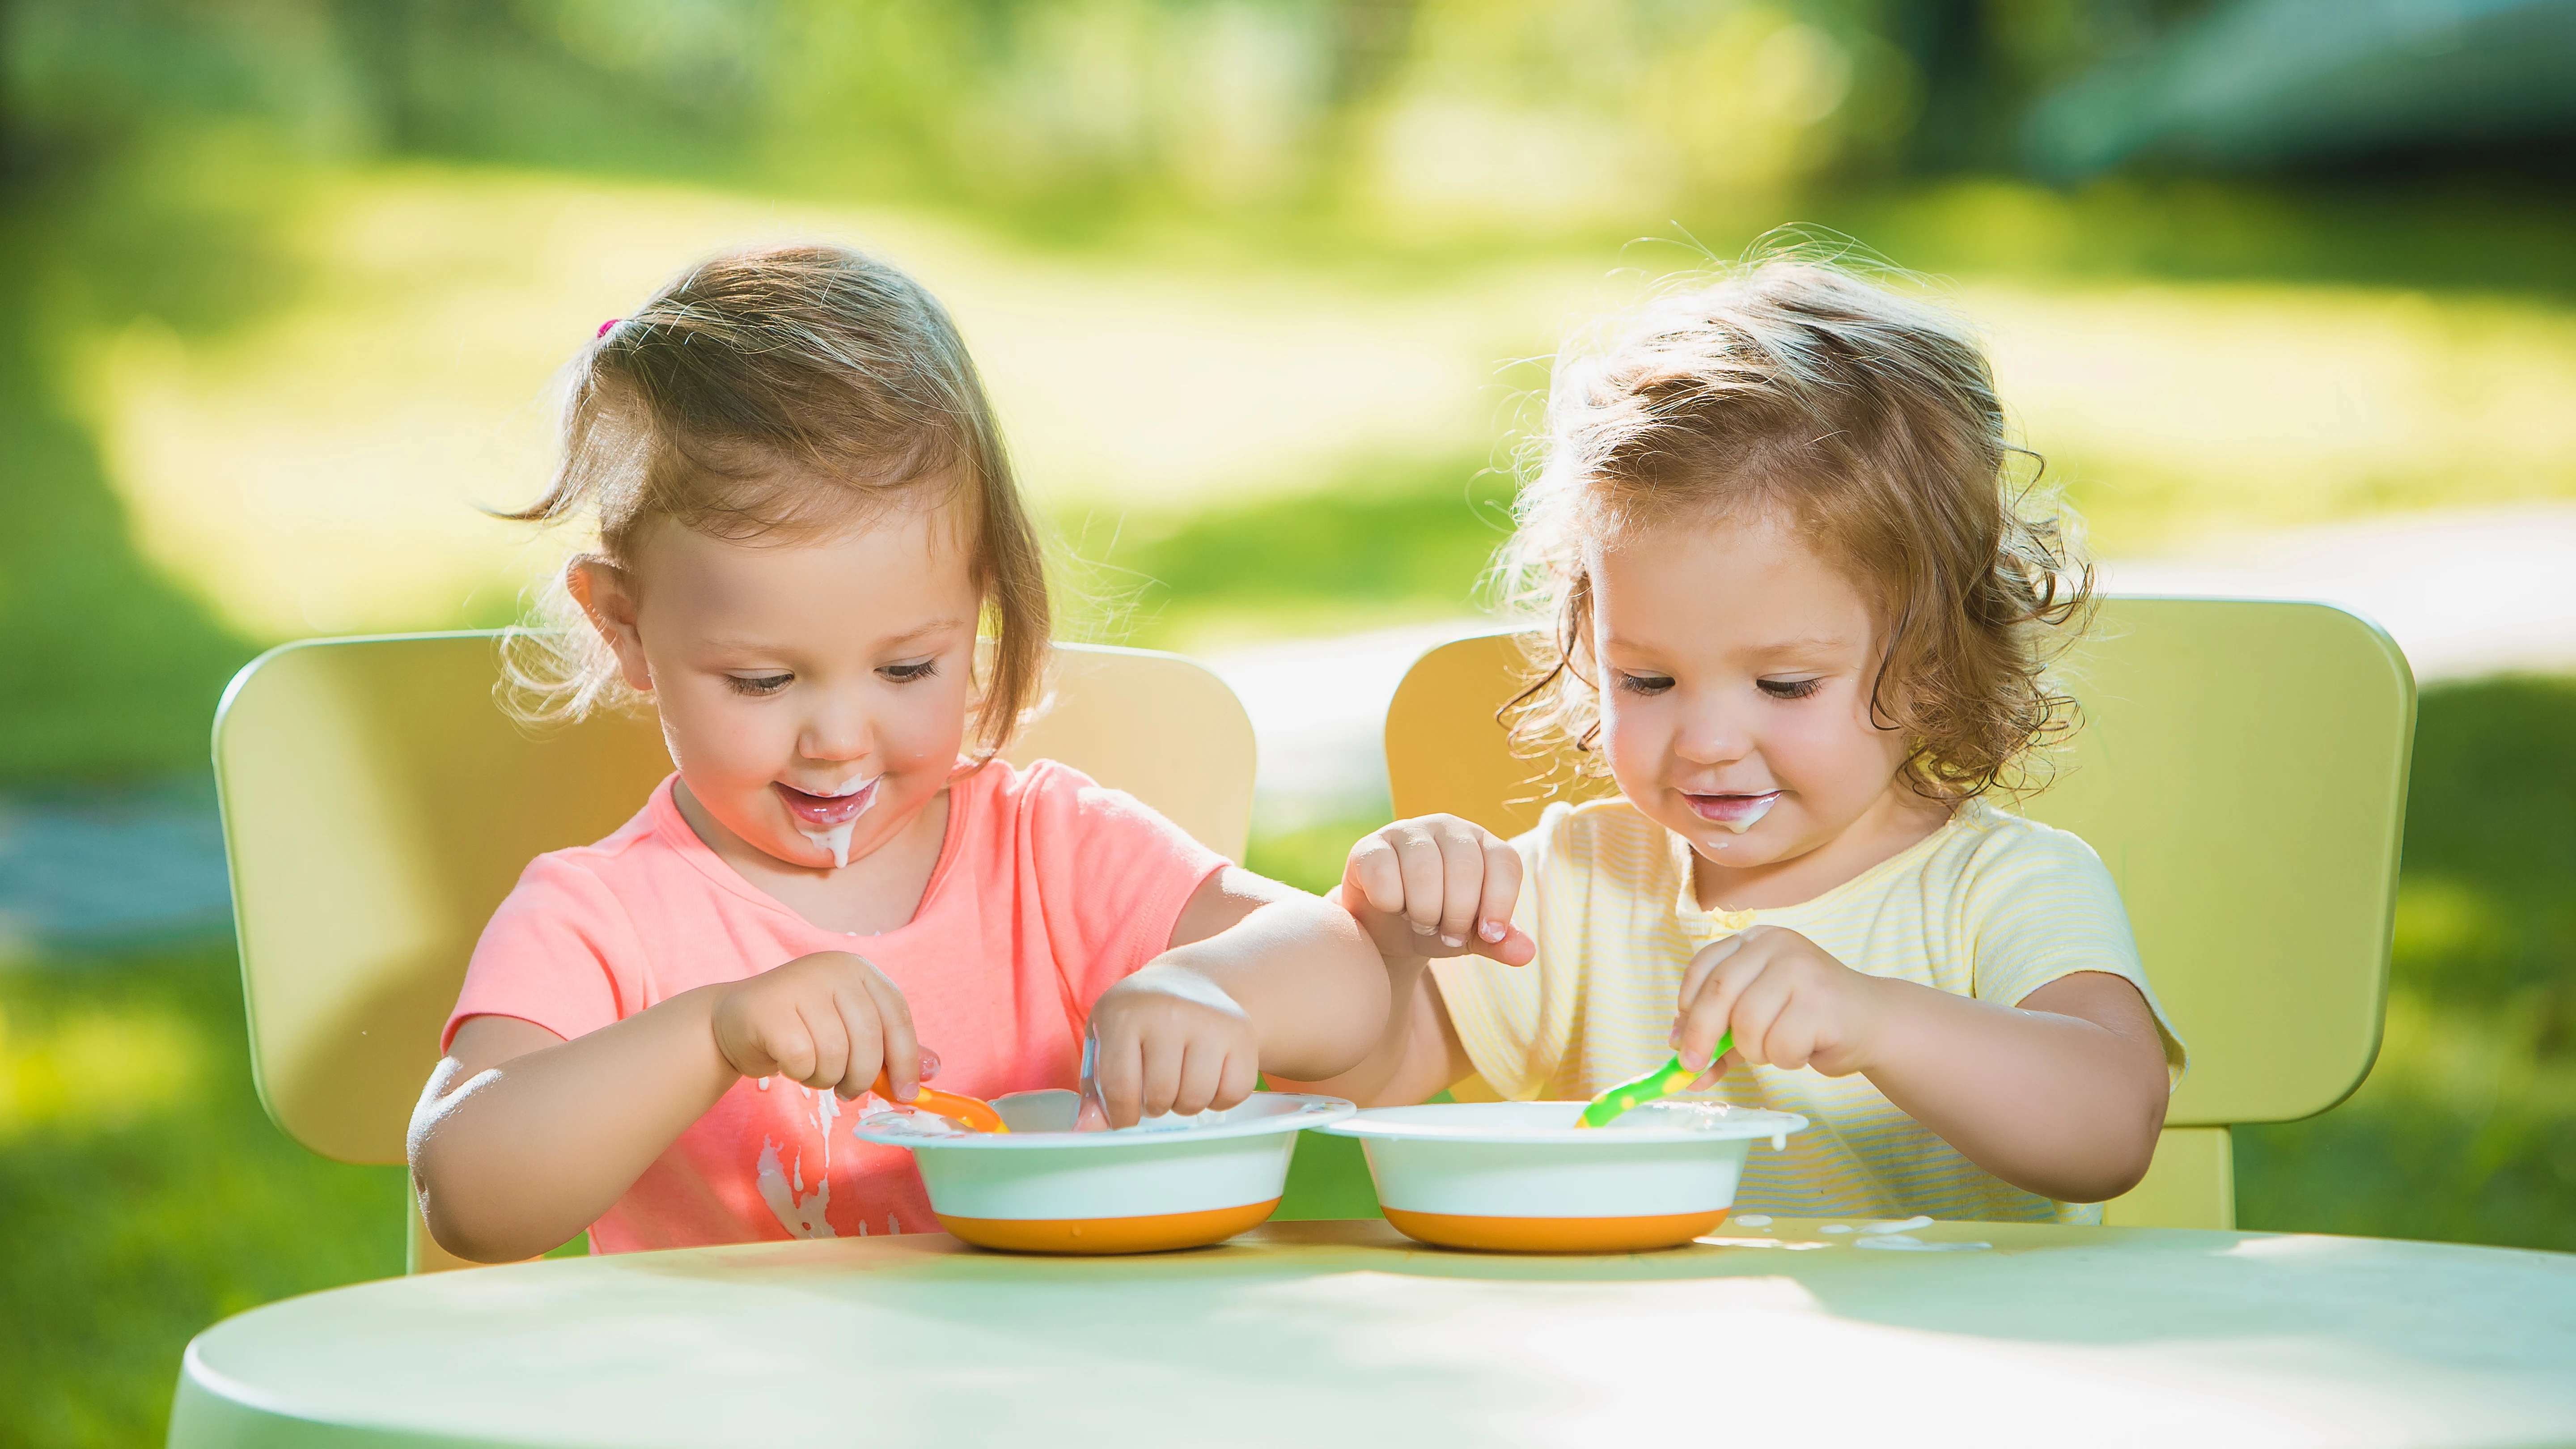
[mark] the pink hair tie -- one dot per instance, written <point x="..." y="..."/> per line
<point x="604" y="326"/>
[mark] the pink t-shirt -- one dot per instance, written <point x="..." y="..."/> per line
<point x="1049" y="890"/>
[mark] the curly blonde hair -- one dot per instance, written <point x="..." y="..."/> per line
<point x="1868" y="420"/>
<point x="786" y="391"/>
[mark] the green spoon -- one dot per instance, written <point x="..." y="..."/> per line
<point x="1654" y="1086"/>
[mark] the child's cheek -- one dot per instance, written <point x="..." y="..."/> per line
<point x="927" y="729"/>
<point x="1633" y="745"/>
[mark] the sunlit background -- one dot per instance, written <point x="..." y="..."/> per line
<point x="2284" y="289"/>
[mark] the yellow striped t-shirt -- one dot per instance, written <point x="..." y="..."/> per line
<point x="1990" y="905"/>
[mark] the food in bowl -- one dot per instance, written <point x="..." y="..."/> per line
<point x="1521" y="1177"/>
<point x="1168" y="1182"/>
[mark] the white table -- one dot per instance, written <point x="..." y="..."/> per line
<point x="1335" y="1335"/>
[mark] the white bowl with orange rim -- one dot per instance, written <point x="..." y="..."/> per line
<point x="1044" y="1188"/>
<point x="1520" y="1177"/>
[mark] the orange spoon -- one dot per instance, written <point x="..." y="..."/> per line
<point x="969" y="1112"/>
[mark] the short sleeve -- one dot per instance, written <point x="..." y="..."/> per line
<point x="1112" y="875"/>
<point x="550" y="955"/>
<point x="1519" y="1024"/>
<point x="2041" y="907"/>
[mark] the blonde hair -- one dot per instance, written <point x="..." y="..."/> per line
<point x="1869" y="422"/>
<point x="792" y="391"/>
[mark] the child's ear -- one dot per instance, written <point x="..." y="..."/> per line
<point x="605" y="596"/>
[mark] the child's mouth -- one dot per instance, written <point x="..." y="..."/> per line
<point x="1738" y="813"/>
<point x="816" y="811"/>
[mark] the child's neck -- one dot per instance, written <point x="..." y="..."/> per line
<point x="1893" y="823"/>
<point x="873" y="894"/>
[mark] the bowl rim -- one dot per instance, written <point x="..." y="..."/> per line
<point x="1310" y="1111"/>
<point x="1757" y="1122"/>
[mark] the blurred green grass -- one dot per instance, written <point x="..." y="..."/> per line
<point x="146" y="1193"/>
<point x="2466" y="1129"/>
<point x="1407" y="540"/>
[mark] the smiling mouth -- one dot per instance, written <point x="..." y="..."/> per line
<point x="1738" y="813"/>
<point x="814" y="811"/>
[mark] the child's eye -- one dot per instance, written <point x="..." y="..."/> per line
<point x="1790" y="688"/>
<point x="758" y="684"/>
<point x="907" y="673"/>
<point x="1645" y="683"/>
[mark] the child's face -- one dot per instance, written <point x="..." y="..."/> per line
<point x="1735" y="672"/>
<point x="814" y="694"/>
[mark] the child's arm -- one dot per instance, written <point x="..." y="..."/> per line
<point x="1259" y="977"/>
<point x="1422" y="889"/>
<point x="2060" y="1094"/>
<point x="523" y="1139"/>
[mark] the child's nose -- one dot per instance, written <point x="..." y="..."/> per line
<point x="1712" y="736"/>
<point x="836" y="734"/>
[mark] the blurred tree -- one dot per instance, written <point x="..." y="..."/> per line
<point x="151" y="152"/>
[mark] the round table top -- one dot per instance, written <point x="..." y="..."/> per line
<point x="1327" y="1335"/>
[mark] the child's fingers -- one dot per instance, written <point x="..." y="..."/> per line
<point x="1240" y="1078"/>
<point x="1375" y="875"/>
<point x="1707" y="959"/>
<point x="1756" y="1019"/>
<point x="900" y="1049"/>
<point x="1117" y="1070"/>
<point x="1202" y="1076"/>
<point x="1425" y="877"/>
<point x="1716" y="1072"/>
<point x="756" y="1057"/>
<point x="1501" y="892"/>
<point x="1708" y="1013"/>
<point x="1514" y="949"/>
<point x="831" y="1042"/>
<point x="866" y="1037"/>
<point x="1462" y="882"/>
<point x="1159" y="1083"/>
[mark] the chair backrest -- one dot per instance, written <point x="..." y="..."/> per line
<point x="2242" y="770"/>
<point x="378" y="805"/>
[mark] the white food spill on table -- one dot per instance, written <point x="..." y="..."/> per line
<point x="1753" y="1220"/>
<point x="1907" y="1226"/>
<point x="835" y="840"/>
<point x="1715" y="1242"/>
<point x="1835" y="1228"/>
<point x="1900" y="1243"/>
<point x="801" y="1215"/>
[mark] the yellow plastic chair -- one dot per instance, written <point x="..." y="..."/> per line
<point x="378" y="805"/>
<point x="2242" y="770"/>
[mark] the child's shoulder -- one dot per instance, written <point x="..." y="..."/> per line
<point x="646" y="833"/>
<point x="1048" y="800"/>
<point x="997" y="787"/>
<point x="1987" y="842"/>
<point x="1605" y="834"/>
<point x="642" y="856"/>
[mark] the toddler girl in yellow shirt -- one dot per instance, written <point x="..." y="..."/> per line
<point x="1801" y="618"/>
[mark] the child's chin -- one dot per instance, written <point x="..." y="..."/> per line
<point x="1720" y="846"/>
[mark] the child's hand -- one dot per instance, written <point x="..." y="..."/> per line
<point x="1437" y="886"/>
<point x="1168" y="1039"/>
<point x="1788" y="1002"/>
<point x="829" y="1020"/>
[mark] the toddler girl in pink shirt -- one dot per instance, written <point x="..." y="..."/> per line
<point x="805" y="518"/>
